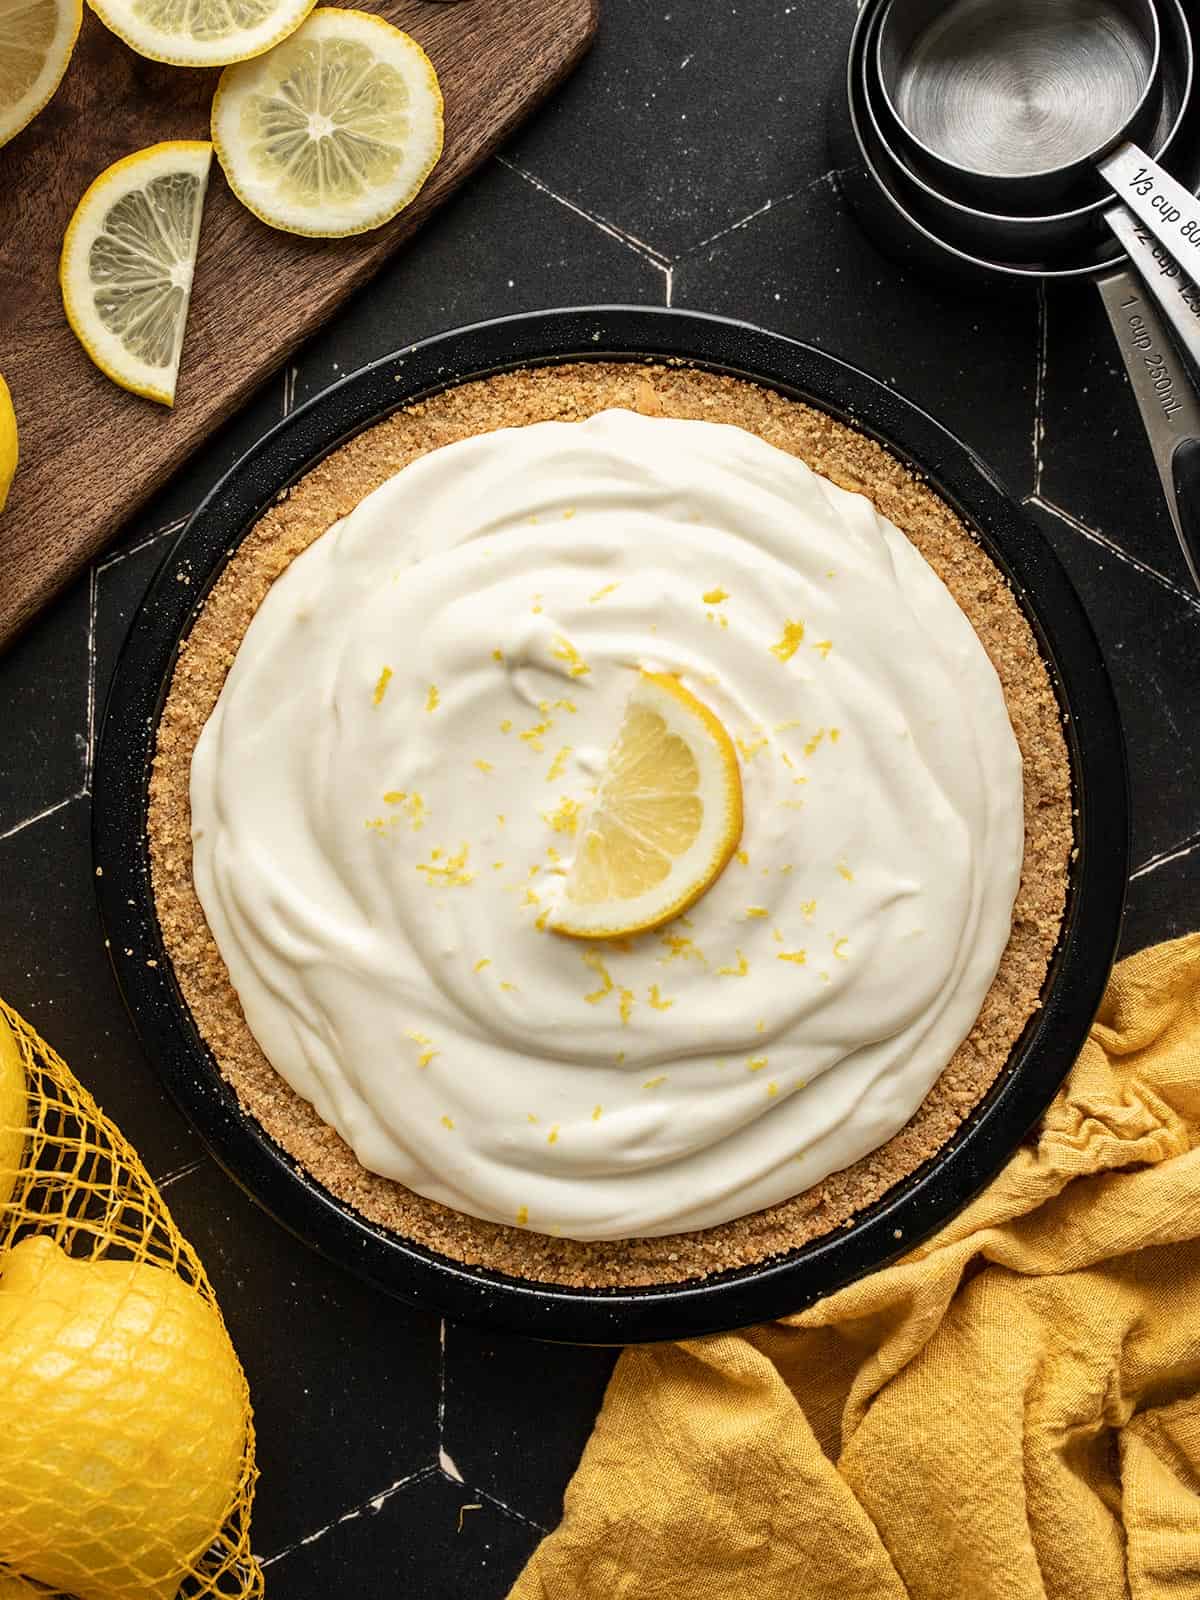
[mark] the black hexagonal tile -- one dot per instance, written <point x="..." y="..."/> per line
<point x="500" y="247"/>
<point x="489" y="1380"/>
<point x="54" y="970"/>
<point x="1096" y="462"/>
<point x="344" y="1380"/>
<point x="691" y="113"/>
<point x="1163" y="897"/>
<point x="44" y="695"/>
<point x="427" y="1538"/>
<point x="804" y="268"/>
<point x="1150" y="636"/>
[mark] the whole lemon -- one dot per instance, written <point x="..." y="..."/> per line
<point x="8" y="442"/>
<point x="124" y="1423"/>
<point x="13" y="1112"/>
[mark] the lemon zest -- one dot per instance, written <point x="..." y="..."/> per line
<point x="566" y="818"/>
<point x="592" y="959"/>
<point x="558" y="764"/>
<point x="449" y="874"/>
<point x="564" y="650"/>
<point x="789" y="642"/>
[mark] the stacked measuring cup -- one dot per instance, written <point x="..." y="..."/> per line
<point x="1011" y="140"/>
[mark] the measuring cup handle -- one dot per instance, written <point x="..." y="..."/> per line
<point x="1166" y="400"/>
<point x="1185" y="476"/>
<point x="1171" y="212"/>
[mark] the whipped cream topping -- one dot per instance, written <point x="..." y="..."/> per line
<point x="389" y="790"/>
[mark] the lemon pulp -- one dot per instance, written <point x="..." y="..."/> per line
<point x="666" y="819"/>
<point x="36" y="41"/>
<point x="333" y="132"/>
<point x="127" y="263"/>
<point x="201" y="33"/>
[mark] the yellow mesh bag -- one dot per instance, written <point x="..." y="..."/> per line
<point x="126" y="1434"/>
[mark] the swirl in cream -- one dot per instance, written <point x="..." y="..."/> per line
<point x="388" y="793"/>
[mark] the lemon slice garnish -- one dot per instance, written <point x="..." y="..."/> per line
<point x="201" y="33"/>
<point x="127" y="260"/>
<point x="335" y="130"/>
<point x="36" y="40"/>
<point x="665" y="821"/>
<point x="8" y="442"/>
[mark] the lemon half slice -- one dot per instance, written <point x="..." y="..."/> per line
<point x="36" y="40"/>
<point x="201" y="33"/>
<point x="666" y="819"/>
<point x="335" y="131"/>
<point x="127" y="262"/>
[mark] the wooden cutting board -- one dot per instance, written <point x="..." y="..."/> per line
<point x="90" y="453"/>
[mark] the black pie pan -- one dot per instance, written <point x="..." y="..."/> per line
<point x="915" y="1207"/>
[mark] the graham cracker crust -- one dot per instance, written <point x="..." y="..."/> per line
<point x="573" y="392"/>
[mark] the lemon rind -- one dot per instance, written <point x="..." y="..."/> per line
<point x="287" y="223"/>
<point x="31" y="106"/>
<point x="8" y="431"/>
<point x="124" y="374"/>
<point x="200" y="56"/>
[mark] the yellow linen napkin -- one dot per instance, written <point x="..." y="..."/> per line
<point x="1011" y="1411"/>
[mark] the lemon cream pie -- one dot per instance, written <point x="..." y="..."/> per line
<point x="597" y="842"/>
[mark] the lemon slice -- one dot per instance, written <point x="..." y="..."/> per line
<point x="36" y="40"/>
<point x="201" y="33"/>
<point x="8" y="442"/>
<point x="127" y="260"/>
<point x="334" y="131"/>
<point x="666" y="818"/>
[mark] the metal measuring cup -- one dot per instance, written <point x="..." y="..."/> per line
<point x="1012" y="103"/>
<point x="871" y="178"/>
<point x="1018" y="102"/>
<point x="1043" y="241"/>
<point x="1039" y="238"/>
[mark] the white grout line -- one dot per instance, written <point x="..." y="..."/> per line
<point x="1165" y="857"/>
<point x="1039" y="390"/>
<point x="143" y="544"/>
<point x="1106" y="543"/>
<point x="829" y="177"/>
<point x="90" y="749"/>
<point x="510" y="1510"/>
<point x="375" y="1503"/>
<point x="47" y="811"/>
<point x="751" y="216"/>
<point x="638" y="246"/>
<point x="185" y="1171"/>
<point x="441" y="1407"/>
